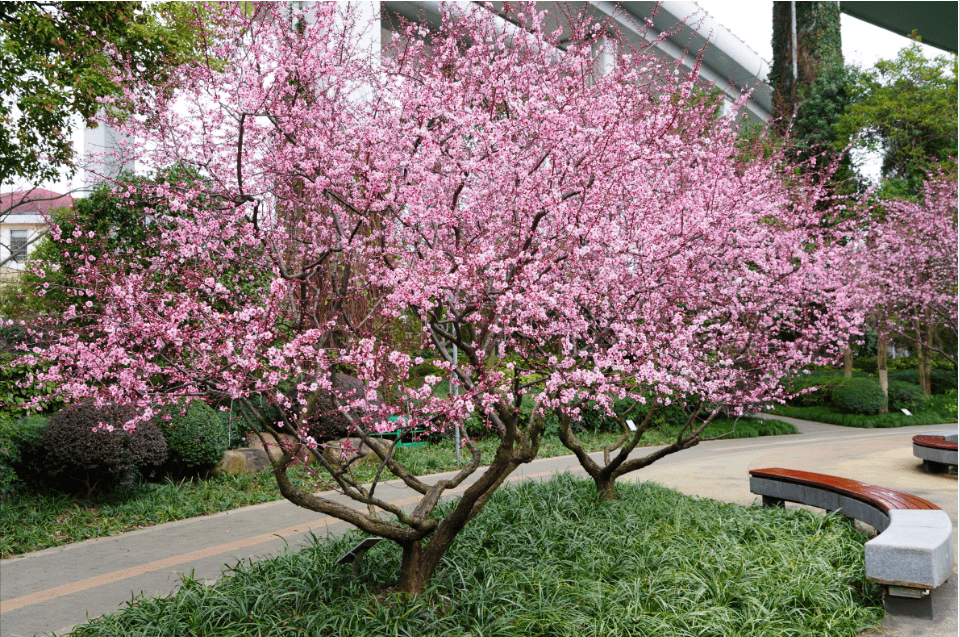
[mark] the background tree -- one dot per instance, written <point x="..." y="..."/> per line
<point x="905" y="109"/>
<point x="54" y="67"/>
<point x="903" y="268"/>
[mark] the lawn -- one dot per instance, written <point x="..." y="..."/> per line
<point x="545" y="558"/>
<point x="31" y="520"/>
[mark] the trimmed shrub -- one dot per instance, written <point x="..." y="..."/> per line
<point x="99" y="459"/>
<point x="196" y="435"/>
<point x="859" y="396"/>
<point x="941" y="380"/>
<point x="901" y="395"/>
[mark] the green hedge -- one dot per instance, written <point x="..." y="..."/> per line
<point x="901" y="395"/>
<point x="875" y="421"/>
<point x="941" y="380"/>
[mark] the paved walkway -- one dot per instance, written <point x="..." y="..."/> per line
<point x="54" y="589"/>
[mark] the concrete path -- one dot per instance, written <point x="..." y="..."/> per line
<point x="54" y="589"/>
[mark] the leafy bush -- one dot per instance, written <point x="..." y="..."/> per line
<point x="901" y="395"/>
<point x="822" y="384"/>
<point x="859" y="396"/>
<point x="99" y="459"/>
<point x="196" y="435"/>
<point x="866" y="363"/>
<point x="862" y="421"/>
<point x="941" y="380"/>
<point x="19" y="440"/>
<point x="945" y="404"/>
<point x="14" y="392"/>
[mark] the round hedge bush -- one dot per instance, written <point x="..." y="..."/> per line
<point x="859" y="396"/>
<point x="196" y="435"/>
<point x="99" y="459"/>
<point x="903" y="395"/>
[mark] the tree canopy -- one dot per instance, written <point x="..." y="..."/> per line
<point x="54" y="61"/>
<point x="906" y="109"/>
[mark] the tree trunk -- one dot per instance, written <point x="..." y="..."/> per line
<point x="882" y="366"/>
<point x="416" y="567"/>
<point x="847" y="363"/>
<point x="925" y="364"/>
<point x="605" y="487"/>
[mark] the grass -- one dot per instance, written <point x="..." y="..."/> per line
<point x="544" y="558"/>
<point x="34" y="520"/>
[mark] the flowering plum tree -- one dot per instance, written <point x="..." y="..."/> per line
<point x="735" y="287"/>
<point x="908" y="277"/>
<point x="481" y="186"/>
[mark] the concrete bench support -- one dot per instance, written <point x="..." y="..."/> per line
<point x="911" y="556"/>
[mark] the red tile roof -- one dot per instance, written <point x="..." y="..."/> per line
<point x="38" y="200"/>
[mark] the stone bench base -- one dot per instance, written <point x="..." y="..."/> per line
<point x="911" y="556"/>
<point x="937" y="452"/>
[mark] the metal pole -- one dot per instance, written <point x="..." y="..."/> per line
<point x="453" y="390"/>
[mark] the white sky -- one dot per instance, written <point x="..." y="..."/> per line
<point x="752" y="22"/>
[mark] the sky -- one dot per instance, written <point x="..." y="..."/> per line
<point x="863" y="45"/>
<point x="752" y="21"/>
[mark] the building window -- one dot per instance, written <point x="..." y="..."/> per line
<point x="18" y="245"/>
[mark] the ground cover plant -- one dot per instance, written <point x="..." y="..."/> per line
<point x="33" y="518"/>
<point x="546" y="558"/>
<point x="818" y="413"/>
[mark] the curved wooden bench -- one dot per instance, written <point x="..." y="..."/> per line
<point x="937" y="451"/>
<point x="913" y="553"/>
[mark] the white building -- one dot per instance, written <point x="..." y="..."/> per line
<point x="23" y="222"/>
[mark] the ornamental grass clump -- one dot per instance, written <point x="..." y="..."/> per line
<point x="546" y="558"/>
<point x="87" y="445"/>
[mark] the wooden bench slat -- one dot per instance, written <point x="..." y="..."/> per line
<point x="935" y="442"/>
<point x="881" y="497"/>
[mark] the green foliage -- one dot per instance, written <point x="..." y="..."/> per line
<point x="867" y="364"/>
<point x="16" y="388"/>
<point x="114" y="218"/>
<point x="99" y="459"/>
<point x="818" y="53"/>
<point x="822" y="382"/>
<point x="903" y="395"/>
<point x="906" y="108"/>
<point x="545" y="558"/>
<point x="932" y="414"/>
<point x="941" y="380"/>
<point x="19" y="440"/>
<point x="859" y="396"/>
<point x="53" y="68"/>
<point x="195" y="434"/>
<point x="945" y="404"/>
